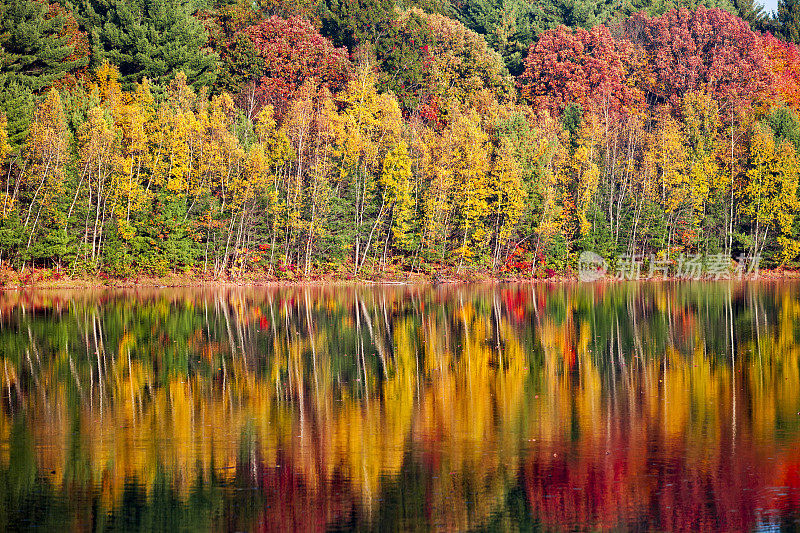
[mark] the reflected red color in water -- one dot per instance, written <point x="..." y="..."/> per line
<point x="614" y="406"/>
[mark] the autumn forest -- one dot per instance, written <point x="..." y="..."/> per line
<point x="373" y="138"/>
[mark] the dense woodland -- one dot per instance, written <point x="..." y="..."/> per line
<point x="366" y="137"/>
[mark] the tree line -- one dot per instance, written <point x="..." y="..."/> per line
<point x="143" y="137"/>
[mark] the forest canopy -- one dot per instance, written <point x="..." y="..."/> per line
<point x="362" y="137"/>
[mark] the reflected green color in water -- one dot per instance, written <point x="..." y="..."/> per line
<point x="654" y="406"/>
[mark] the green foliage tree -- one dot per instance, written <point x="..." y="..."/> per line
<point x="785" y="125"/>
<point x="17" y="102"/>
<point x="753" y="13"/>
<point x="34" y="52"/>
<point x="150" y="38"/>
<point x="353" y="22"/>
<point x="787" y="23"/>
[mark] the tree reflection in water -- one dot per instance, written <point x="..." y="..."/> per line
<point x="657" y="406"/>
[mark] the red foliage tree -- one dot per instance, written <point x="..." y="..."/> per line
<point x="783" y="62"/>
<point x="289" y="51"/>
<point x="586" y="67"/>
<point x="78" y="40"/>
<point x="704" y="49"/>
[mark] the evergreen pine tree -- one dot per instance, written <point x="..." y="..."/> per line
<point x="509" y="26"/>
<point x="150" y="38"/>
<point x="92" y="15"/>
<point x="17" y="103"/>
<point x="659" y="7"/>
<point x="788" y="20"/>
<point x="752" y="12"/>
<point x="33" y="55"/>
<point x="33" y="51"/>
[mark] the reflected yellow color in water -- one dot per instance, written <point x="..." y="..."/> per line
<point x="657" y="406"/>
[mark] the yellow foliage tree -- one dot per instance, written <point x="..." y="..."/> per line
<point x="5" y="151"/>
<point x="578" y="180"/>
<point x="460" y="186"/>
<point x="770" y="196"/>
<point x="701" y="120"/>
<point x="395" y="183"/>
<point x="508" y="196"/>
<point x="366" y="129"/>
<point x="100" y="170"/>
<point x="45" y="155"/>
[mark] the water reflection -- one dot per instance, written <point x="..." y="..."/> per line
<point x="656" y="406"/>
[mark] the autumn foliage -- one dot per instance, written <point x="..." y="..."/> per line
<point x="414" y="150"/>
<point x="704" y="49"/>
<point x="428" y="59"/>
<point x="287" y="52"/>
<point x="585" y="67"/>
<point x="783" y="63"/>
<point x="658" y="59"/>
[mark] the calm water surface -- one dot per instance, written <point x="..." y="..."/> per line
<point x="632" y="406"/>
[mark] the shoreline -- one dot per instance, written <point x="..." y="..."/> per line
<point x="13" y="281"/>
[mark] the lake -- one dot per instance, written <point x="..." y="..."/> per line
<point x="666" y="406"/>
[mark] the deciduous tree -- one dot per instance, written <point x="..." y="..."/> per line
<point x="278" y="56"/>
<point x="704" y="49"/>
<point x="586" y="67"/>
<point x="770" y="196"/>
